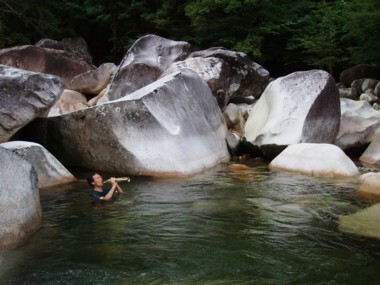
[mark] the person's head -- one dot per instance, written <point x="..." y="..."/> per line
<point x="95" y="180"/>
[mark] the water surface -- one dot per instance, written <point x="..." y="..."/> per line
<point x="256" y="227"/>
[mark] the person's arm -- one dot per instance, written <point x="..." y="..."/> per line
<point x="119" y="188"/>
<point x="110" y="193"/>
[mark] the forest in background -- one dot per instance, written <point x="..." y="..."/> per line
<point x="283" y="36"/>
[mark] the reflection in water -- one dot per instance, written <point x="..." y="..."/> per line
<point x="251" y="226"/>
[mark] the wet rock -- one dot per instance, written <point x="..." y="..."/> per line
<point x="24" y="96"/>
<point x="298" y="108"/>
<point x="70" y="101"/>
<point x="321" y="160"/>
<point x="358" y="72"/>
<point x="363" y="223"/>
<point x="370" y="183"/>
<point x="94" y="81"/>
<point x="170" y="127"/>
<point x="56" y="62"/>
<point x="372" y="153"/>
<point x="245" y="77"/>
<point x="237" y="167"/>
<point x="49" y="170"/>
<point x="143" y="64"/>
<point x="20" y="207"/>
<point x="359" y="124"/>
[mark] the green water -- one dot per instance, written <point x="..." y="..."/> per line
<point x="260" y="227"/>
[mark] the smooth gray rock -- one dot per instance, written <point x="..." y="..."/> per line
<point x="376" y="91"/>
<point x="24" y="96"/>
<point x="49" y="170"/>
<point x="359" y="124"/>
<point x="20" y="207"/>
<point x="369" y="83"/>
<point x="359" y="71"/>
<point x="170" y="127"/>
<point x="245" y="77"/>
<point x="350" y="93"/>
<point x="143" y="64"/>
<point x="299" y="108"/>
<point x="372" y="153"/>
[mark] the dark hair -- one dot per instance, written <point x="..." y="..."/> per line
<point x="90" y="178"/>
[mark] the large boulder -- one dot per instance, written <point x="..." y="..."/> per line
<point x="70" y="101"/>
<point x="370" y="183"/>
<point x="244" y="77"/>
<point x="363" y="223"/>
<point x="299" y="108"/>
<point x="94" y="81"/>
<point x="372" y="153"/>
<point x="143" y="64"/>
<point x="170" y="127"/>
<point x="360" y="71"/>
<point x="20" y="207"/>
<point x="49" y="170"/>
<point x="24" y="96"/>
<point x="321" y="160"/>
<point x="56" y="62"/>
<point x="359" y="124"/>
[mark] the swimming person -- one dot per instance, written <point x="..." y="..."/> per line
<point x="99" y="192"/>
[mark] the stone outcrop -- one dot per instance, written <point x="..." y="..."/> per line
<point x="143" y="64"/>
<point x="51" y="61"/>
<point x="24" y="96"/>
<point x="350" y="93"/>
<point x="245" y="77"/>
<point x="358" y="72"/>
<point x="302" y="107"/>
<point x="20" y="207"/>
<point x="359" y="124"/>
<point x="372" y="153"/>
<point x="94" y="81"/>
<point x="49" y="170"/>
<point x="70" y="101"/>
<point x="363" y="223"/>
<point x="370" y="183"/>
<point x="321" y="160"/>
<point x="170" y="127"/>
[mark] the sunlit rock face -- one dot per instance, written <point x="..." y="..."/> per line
<point x="372" y="153"/>
<point x="20" y="207"/>
<point x="49" y="170"/>
<point x="321" y="160"/>
<point x="364" y="223"/>
<point x="370" y="183"/>
<point x="69" y="101"/>
<point x="51" y="61"/>
<point x="94" y="81"/>
<point x="24" y="96"/>
<point x="359" y="124"/>
<point x="170" y="127"/>
<point x="143" y="63"/>
<point x="244" y="77"/>
<point x="302" y="107"/>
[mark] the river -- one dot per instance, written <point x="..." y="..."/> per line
<point x="218" y="227"/>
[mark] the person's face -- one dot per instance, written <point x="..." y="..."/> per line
<point x="98" y="180"/>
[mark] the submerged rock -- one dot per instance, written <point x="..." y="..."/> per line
<point x="321" y="160"/>
<point x="170" y="127"/>
<point x="24" y="96"/>
<point x="143" y="64"/>
<point x="302" y="107"/>
<point x="370" y="183"/>
<point x="20" y="207"/>
<point x="49" y="170"/>
<point x="363" y="223"/>
<point x="359" y="124"/>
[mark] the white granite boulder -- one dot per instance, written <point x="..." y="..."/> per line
<point x="143" y="64"/>
<point x="302" y="107"/>
<point x="321" y="160"/>
<point x="170" y="127"/>
<point x="363" y="223"/>
<point x="372" y="153"/>
<point x="360" y="122"/>
<point x="20" y="207"/>
<point x="370" y="183"/>
<point x="24" y="96"/>
<point x="49" y="170"/>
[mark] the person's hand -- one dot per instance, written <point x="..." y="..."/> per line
<point x="113" y="181"/>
